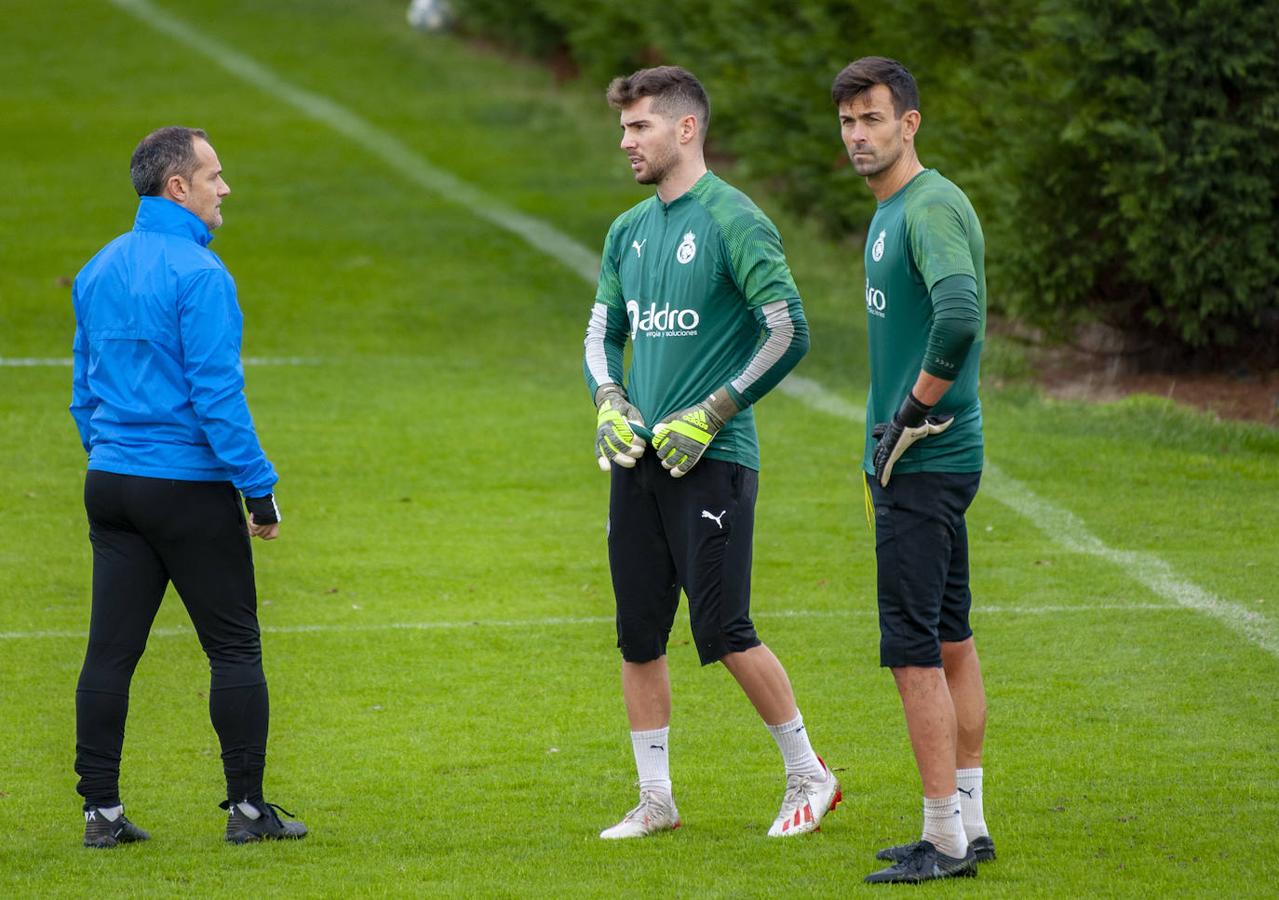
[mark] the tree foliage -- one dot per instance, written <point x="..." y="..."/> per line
<point x="1123" y="154"/>
<point x="1148" y="185"/>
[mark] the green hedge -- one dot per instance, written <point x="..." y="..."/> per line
<point x="1123" y="154"/>
<point x="1148" y="185"/>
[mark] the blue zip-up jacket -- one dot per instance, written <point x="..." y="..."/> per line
<point x="158" y="387"/>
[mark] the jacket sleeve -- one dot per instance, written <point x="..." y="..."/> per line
<point x="83" y="403"/>
<point x="761" y="273"/>
<point x="956" y="325"/>
<point x="211" y="328"/>
<point x="608" y="328"/>
<point x="783" y="343"/>
<point x="605" y="341"/>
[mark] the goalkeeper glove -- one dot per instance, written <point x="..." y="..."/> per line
<point x="682" y="437"/>
<point x="910" y="423"/>
<point x="615" y="438"/>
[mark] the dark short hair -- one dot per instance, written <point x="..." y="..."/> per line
<point x="863" y="74"/>
<point x="675" y="92"/>
<point x="162" y="154"/>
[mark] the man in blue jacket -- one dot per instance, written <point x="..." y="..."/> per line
<point x="158" y="398"/>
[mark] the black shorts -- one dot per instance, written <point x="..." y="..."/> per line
<point x="921" y="547"/>
<point x="693" y="532"/>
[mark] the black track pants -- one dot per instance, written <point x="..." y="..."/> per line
<point x="145" y="533"/>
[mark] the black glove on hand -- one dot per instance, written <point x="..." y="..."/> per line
<point x="263" y="509"/>
<point x="910" y="423"/>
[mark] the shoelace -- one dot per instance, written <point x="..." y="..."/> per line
<point x="281" y="809"/>
<point x="267" y="808"/>
<point x="797" y="790"/>
<point x="646" y="800"/>
<point x="915" y="859"/>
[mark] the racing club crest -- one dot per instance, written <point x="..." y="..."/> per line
<point x="687" y="249"/>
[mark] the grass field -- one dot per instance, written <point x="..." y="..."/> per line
<point x="445" y="709"/>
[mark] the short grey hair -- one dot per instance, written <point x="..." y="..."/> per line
<point x="162" y="154"/>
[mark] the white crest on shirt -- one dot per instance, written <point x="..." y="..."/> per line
<point x="877" y="251"/>
<point x="687" y="249"/>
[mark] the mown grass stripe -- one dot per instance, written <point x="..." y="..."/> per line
<point x="381" y="144"/>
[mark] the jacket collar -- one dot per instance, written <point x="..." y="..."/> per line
<point x="698" y="188"/>
<point x="160" y="214"/>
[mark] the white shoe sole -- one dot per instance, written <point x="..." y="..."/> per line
<point x="617" y="833"/>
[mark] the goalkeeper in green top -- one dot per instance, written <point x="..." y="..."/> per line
<point x="696" y="278"/>
<point x="926" y="311"/>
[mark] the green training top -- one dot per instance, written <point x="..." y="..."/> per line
<point x="924" y="233"/>
<point x="701" y="287"/>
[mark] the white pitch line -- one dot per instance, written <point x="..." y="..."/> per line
<point x="32" y="362"/>
<point x="1146" y="568"/>
<point x="24" y="362"/>
<point x="570" y="621"/>
<point x="1066" y="529"/>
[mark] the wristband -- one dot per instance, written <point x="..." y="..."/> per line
<point x="912" y="412"/>
<point x="263" y="509"/>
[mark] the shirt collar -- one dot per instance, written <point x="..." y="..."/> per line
<point x="901" y="191"/>
<point x="163" y="215"/>
<point x="697" y="187"/>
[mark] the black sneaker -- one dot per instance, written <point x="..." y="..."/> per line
<point x="240" y="829"/>
<point x="983" y="848"/>
<point x="924" y="863"/>
<point x="101" y="833"/>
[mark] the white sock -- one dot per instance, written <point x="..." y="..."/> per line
<point x="111" y="813"/>
<point x="248" y="809"/>
<point x="652" y="760"/>
<point x="943" y="827"/>
<point x="969" y="782"/>
<point x="797" y="752"/>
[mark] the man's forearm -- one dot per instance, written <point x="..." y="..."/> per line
<point x="929" y="389"/>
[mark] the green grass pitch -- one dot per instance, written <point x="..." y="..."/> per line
<point x="446" y="715"/>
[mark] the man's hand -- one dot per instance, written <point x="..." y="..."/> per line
<point x="682" y="437"/>
<point x="615" y="439"/>
<point x="264" y="517"/>
<point x="910" y="423"/>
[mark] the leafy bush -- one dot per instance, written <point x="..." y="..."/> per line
<point x="1145" y="188"/>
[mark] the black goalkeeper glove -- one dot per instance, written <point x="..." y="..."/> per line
<point x="910" y="423"/>
<point x="263" y="510"/>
